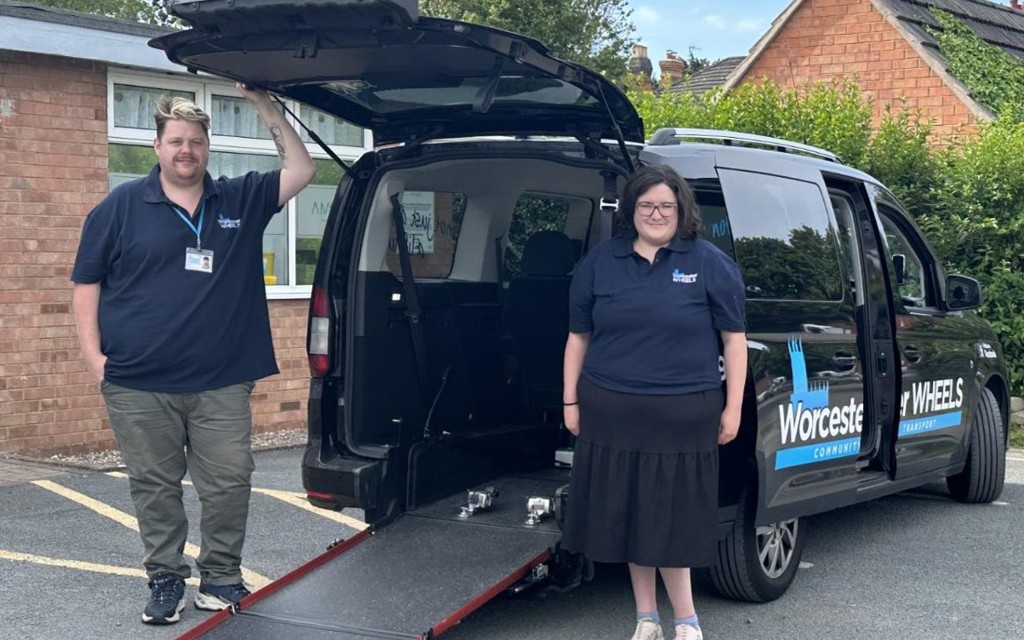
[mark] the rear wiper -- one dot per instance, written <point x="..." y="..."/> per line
<point x="313" y="136"/>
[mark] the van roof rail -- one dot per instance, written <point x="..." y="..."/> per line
<point x="669" y="136"/>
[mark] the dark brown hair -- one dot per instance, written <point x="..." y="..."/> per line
<point x="650" y="176"/>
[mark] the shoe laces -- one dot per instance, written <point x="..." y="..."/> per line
<point x="167" y="588"/>
<point x="647" y="630"/>
<point x="236" y="591"/>
<point x="687" y="632"/>
<point x="232" y="592"/>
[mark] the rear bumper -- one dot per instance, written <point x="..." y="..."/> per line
<point x="336" y="482"/>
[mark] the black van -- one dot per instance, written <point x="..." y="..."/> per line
<point x="439" y="314"/>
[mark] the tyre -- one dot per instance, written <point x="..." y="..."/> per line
<point x="983" y="476"/>
<point x="757" y="564"/>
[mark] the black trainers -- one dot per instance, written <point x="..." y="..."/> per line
<point x="166" y="599"/>
<point x="214" y="597"/>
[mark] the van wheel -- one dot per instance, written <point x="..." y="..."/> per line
<point x="983" y="476"/>
<point x="757" y="564"/>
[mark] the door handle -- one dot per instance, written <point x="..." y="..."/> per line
<point x="912" y="354"/>
<point x="845" y="361"/>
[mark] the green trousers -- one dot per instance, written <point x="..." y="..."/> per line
<point x="208" y="434"/>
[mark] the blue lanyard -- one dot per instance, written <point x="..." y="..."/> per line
<point x="197" y="230"/>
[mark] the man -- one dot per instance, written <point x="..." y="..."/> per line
<point x="172" y="317"/>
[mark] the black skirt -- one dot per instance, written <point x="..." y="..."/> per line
<point x="644" y="484"/>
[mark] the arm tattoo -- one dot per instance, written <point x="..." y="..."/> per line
<point x="275" y="132"/>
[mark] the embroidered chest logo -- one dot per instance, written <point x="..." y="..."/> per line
<point x="685" y="278"/>
<point x="228" y="223"/>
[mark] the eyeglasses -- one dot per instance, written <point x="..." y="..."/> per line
<point x="648" y="208"/>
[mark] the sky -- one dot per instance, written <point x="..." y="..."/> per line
<point x="714" y="28"/>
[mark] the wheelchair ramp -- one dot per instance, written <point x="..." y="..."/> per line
<point x="414" y="579"/>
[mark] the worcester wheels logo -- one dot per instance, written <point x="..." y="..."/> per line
<point x="812" y="429"/>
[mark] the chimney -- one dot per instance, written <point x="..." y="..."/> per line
<point x="673" y="68"/>
<point x="640" y="66"/>
<point x="1016" y="6"/>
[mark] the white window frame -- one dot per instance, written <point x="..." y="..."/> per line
<point x="205" y="87"/>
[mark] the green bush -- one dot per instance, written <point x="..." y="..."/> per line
<point x="967" y="195"/>
<point x="977" y="225"/>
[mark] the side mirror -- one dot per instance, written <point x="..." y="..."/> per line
<point x="899" y="267"/>
<point x="962" y="293"/>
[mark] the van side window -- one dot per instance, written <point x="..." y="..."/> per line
<point x="533" y="213"/>
<point x="432" y="223"/>
<point x="843" y="207"/>
<point x="913" y="285"/>
<point x="715" y="217"/>
<point x="786" y="244"/>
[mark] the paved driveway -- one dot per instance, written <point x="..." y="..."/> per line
<point x="912" y="566"/>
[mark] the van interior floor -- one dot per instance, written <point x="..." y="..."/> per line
<point x="414" y="578"/>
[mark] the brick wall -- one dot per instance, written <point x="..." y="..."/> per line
<point x="53" y="169"/>
<point x="837" y="38"/>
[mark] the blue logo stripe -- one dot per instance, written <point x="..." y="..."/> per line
<point x="820" y="452"/>
<point x="930" y="423"/>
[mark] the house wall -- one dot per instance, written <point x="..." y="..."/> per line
<point x="826" y="39"/>
<point x="53" y="170"/>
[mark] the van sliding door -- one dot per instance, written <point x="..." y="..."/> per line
<point x="803" y="336"/>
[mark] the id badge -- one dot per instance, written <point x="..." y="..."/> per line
<point x="198" y="260"/>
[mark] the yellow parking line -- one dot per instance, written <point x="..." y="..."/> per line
<point x="293" y="498"/>
<point x="251" y="577"/>
<point x="79" y="565"/>
<point x="299" y="500"/>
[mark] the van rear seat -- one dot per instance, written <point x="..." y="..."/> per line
<point x="538" y="316"/>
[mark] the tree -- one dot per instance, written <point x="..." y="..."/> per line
<point x="596" y="33"/>
<point x="695" y="63"/>
<point x="150" y="11"/>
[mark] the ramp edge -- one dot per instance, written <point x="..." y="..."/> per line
<point x="290" y="577"/>
<point x="485" y="597"/>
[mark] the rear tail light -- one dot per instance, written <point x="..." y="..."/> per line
<point x="319" y="333"/>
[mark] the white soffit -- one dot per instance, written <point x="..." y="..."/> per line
<point x="49" y="38"/>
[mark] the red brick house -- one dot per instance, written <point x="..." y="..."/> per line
<point x="76" y="96"/>
<point x="888" y="45"/>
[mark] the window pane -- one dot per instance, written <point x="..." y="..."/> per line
<point x="331" y="130"/>
<point x="275" y="236"/>
<point x="912" y="289"/>
<point x="312" y="206"/>
<point x="785" y="244"/>
<point x="126" y="162"/>
<point x="134" y="107"/>
<point x="715" y="218"/>
<point x="236" y="117"/>
<point x="532" y="214"/>
<point x="432" y="223"/>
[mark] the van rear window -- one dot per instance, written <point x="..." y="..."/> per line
<point x="432" y="223"/>
<point x="785" y="242"/>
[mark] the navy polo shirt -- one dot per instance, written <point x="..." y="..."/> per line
<point x="166" y="329"/>
<point x="654" y="327"/>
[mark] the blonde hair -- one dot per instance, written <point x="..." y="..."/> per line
<point x="177" y="108"/>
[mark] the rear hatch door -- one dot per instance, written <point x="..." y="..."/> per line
<point x="406" y="78"/>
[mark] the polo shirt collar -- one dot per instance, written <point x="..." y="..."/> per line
<point x="153" y="192"/>
<point x="624" y="246"/>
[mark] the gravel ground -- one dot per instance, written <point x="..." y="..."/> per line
<point x="111" y="460"/>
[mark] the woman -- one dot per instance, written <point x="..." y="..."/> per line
<point x="643" y="394"/>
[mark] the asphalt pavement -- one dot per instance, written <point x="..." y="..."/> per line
<point x="915" y="566"/>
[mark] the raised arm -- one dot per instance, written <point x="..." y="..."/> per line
<point x="297" y="167"/>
